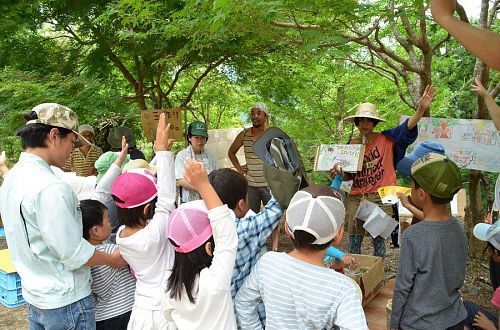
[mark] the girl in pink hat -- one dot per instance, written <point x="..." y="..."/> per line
<point x="199" y="286"/>
<point x="141" y="238"/>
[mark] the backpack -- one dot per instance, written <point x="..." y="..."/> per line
<point x="283" y="166"/>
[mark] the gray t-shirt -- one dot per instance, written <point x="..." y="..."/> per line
<point x="431" y="270"/>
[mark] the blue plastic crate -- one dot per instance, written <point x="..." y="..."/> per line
<point x="2" y="232"/>
<point x="11" y="298"/>
<point x="9" y="281"/>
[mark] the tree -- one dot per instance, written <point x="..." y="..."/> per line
<point x="474" y="212"/>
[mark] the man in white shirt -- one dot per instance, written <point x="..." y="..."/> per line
<point x="43" y="224"/>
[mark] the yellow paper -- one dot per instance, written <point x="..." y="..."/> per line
<point x="6" y="264"/>
<point x="388" y="194"/>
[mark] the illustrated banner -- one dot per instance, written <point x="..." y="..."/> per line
<point x="470" y="143"/>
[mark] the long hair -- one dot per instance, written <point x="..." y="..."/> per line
<point x="187" y="266"/>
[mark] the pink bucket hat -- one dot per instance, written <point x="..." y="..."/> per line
<point x="188" y="228"/>
<point x="135" y="187"/>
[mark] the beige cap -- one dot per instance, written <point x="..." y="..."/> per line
<point x="365" y="110"/>
<point x="57" y="115"/>
<point x="139" y="163"/>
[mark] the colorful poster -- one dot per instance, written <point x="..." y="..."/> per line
<point x="470" y="143"/>
<point x="349" y="156"/>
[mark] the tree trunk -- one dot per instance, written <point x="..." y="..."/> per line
<point x="474" y="212"/>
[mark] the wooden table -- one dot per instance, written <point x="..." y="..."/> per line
<point x="376" y="311"/>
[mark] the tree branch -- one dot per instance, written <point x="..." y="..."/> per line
<point x="199" y="79"/>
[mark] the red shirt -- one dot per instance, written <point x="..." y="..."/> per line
<point x="378" y="167"/>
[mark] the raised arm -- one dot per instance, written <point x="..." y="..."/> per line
<point x="102" y="191"/>
<point x="423" y="105"/>
<point x="483" y="44"/>
<point x="492" y="106"/>
<point x="233" y="149"/>
<point x="223" y="226"/>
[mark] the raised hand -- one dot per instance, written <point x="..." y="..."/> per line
<point x="163" y="142"/>
<point x="195" y="174"/>
<point x="479" y="88"/>
<point x="427" y="97"/>
<point x="442" y="8"/>
<point x="123" y="153"/>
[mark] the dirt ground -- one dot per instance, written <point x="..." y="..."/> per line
<point x="476" y="288"/>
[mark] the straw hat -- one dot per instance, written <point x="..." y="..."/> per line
<point x="365" y="110"/>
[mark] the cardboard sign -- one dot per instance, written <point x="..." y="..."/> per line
<point x="149" y="120"/>
<point x="349" y="156"/>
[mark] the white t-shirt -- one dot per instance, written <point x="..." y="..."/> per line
<point x="298" y="295"/>
<point x="148" y="251"/>
<point x="205" y="157"/>
<point x="213" y="307"/>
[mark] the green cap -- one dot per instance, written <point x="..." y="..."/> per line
<point x="198" y="128"/>
<point x="103" y="163"/>
<point x="437" y="175"/>
<point x="57" y="115"/>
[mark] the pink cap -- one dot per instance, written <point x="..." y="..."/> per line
<point x="135" y="187"/>
<point x="188" y="228"/>
<point x="496" y="298"/>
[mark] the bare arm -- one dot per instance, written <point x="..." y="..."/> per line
<point x="233" y="149"/>
<point x="410" y="207"/>
<point x="423" y="105"/>
<point x="114" y="259"/>
<point x="492" y="106"/>
<point x="3" y="164"/>
<point x="481" y="43"/>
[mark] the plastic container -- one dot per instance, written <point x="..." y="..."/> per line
<point x="11" y="293"/>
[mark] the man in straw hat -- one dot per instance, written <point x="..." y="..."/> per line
<point x="43" y="224"/>
<point x="382" y="151"/>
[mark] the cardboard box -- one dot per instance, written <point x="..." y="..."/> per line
<point x="368" y="274"/>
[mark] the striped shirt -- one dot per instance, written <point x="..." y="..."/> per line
<point x="112" y="288"/>
<point x="77" y="162"/>
<point x="298" y="295"/>
<point x="255" y="175"/>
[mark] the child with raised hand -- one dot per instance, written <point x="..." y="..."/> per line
<point x="199" y="287"/>
<point x="112" y="288"/>
<point x="142" y="241"/>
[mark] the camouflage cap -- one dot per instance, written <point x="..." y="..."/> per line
<point x="57" y="115"/>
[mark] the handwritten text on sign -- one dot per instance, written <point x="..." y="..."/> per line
<point x="149" y="120"/>
<point x="349" y="156"/>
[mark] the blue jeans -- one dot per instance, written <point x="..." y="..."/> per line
<point x="472" y="310"/>
<point x="78" y="315"/>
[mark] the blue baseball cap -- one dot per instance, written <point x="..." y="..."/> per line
<point x="404" y="165"/>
